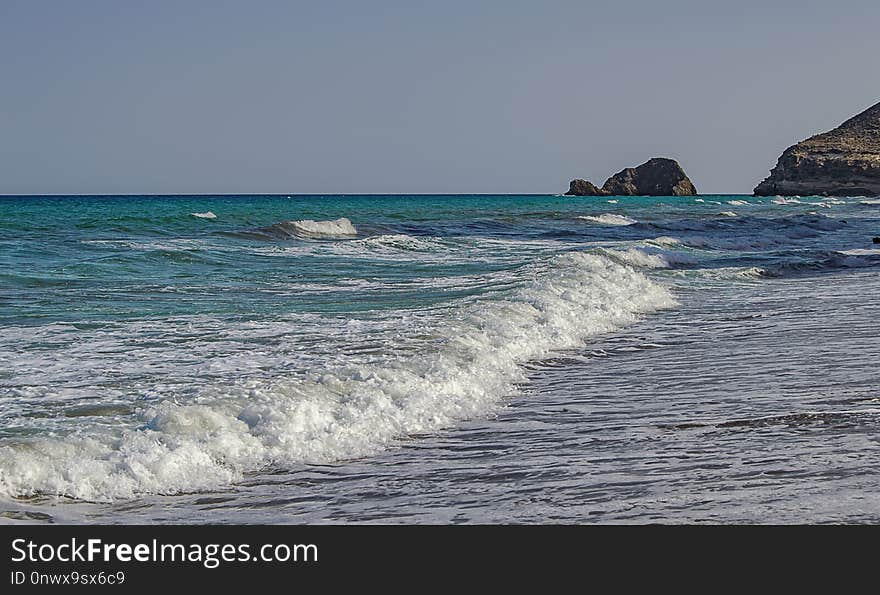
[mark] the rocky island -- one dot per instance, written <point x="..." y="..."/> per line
<point x="656" y="177"/>
<point x="842" y="162"/>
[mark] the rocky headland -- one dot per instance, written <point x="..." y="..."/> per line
<point x="841" y="162"/>
<point x="656" y="177"/>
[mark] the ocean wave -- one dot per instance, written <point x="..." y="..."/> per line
<point x="341" y="228"/>
<point x="392" y="247"/>
<point x="823" y="261"/>
<point x="723" y="274"/>
<point x="399" y="243"/>
<point x="734" y="244"/>
<point x="403" y="247"/>
<point x="745" y="233"/>
<point x="205" y="215"/>
<point x="664" y="241"/>
<point x="307" y="228"/>
<point x="648" y="257"/>
<point x="347" y="411"/>
<point x="861" y="252"/>
<point x="608" y="219"/>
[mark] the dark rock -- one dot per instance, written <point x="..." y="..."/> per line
<point x="876" y="240"/>
<point x="842" y="162"/>
<point x="656" y="177"/>
<point x="582" y="188"/>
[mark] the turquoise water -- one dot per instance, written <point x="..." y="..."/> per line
<point x="88" y="258"/>
<point x="179" y="345"/>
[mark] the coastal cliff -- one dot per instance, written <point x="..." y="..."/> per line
<point x="656" y="177"/>
<point x="841" y="162"/>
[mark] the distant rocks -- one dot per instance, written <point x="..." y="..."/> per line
<point x="876" y="240"/>
<point x="656" y="177"/>
<point x="583" y="188"/>
<point x="842" y="162"/>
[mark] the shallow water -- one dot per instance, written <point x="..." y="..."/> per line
<point x="461" y="359"/>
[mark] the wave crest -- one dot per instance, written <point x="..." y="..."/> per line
<point x="306" y="229"/>
<point x="648" y="257"/>
<point x="474" y="363"/>
<point x="608" y="219"/>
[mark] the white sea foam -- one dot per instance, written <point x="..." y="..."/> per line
<point x="782" y="200"/>
<point x="727" y="273"/>
<point x="737" y="203"/>
<point x="612" y="201"/>
<point x="337" y="228"/>
<point x="394" y="243"/>
<point x="664" y="241"/>
<point x="205" y="215"/>
<point x="862" y="252"/>
<point x="608" y="219"/>
<point x="648" y="257"/>
<point x="728" y="214"/>
<point x="400" y="247"/>
<point x="870" y="201"/>
<point x="342" y="411"/>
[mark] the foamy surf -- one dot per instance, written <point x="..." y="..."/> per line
<point x="341" y="228"/>
<point x="861" y="252"/>
<point x="346" y="411"/>
<point x="337" y="228"/>
<point x="205" y="215"/>
<point x="608" y="219"/>
<point x="648" y="257"/>
<point x="664" y="241"/>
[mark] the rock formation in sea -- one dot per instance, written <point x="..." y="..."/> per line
<point x="583" y="188"/>
<point x="656" y="177"/>
<point x="841" y="162"/>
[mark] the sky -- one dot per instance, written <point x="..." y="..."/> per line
<point x="386" y="96"/>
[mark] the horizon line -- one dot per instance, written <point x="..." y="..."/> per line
<point x="291" y="194"/>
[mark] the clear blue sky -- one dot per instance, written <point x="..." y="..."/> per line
<point x="409" y="96"/>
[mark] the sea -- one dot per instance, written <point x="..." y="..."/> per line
<point x="439" y="359"/>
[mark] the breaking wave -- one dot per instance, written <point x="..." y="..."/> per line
<point x="345" y="411"/>
<point x="649" y="258"/>
<point x="608" y="219"/>
<point x="306" y="229"/>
